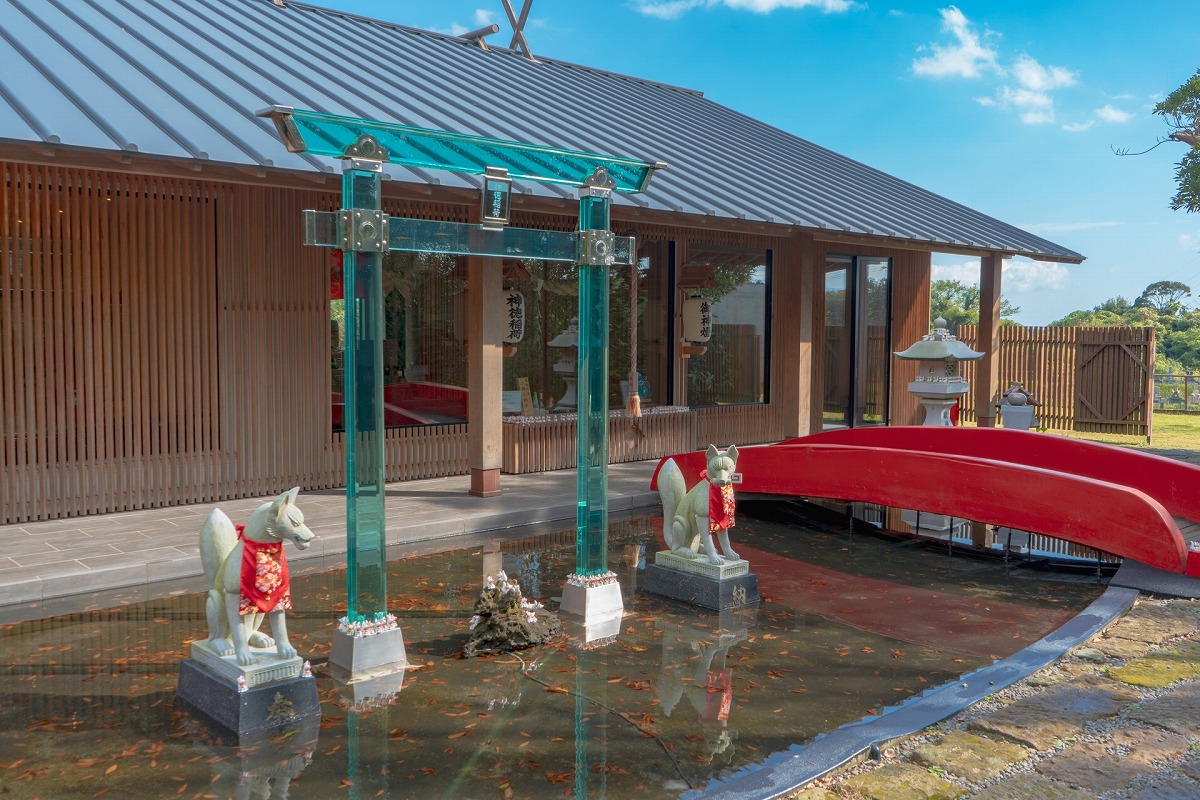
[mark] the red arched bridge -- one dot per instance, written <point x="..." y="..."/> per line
<point x="1120" y="501"/>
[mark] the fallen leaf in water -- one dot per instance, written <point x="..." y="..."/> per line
<point x="111" y="770"/>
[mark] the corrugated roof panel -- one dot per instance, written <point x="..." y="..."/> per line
<point x="183" y="79"/>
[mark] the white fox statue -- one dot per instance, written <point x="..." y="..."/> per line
<point x="688" y="518"/>
<point x="233" y="616"/>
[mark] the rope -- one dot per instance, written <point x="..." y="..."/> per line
<point x="633" y="407"/>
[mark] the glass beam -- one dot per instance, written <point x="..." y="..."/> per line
<point x="422" y="148"/>
<point x="325" y="229"/>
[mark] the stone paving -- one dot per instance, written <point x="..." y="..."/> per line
<point x="53" y="559"/>
<point x="1115" y="719"/>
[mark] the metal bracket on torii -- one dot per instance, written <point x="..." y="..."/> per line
<point x="364" y="233"/>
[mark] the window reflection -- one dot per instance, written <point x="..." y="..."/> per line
<point x="736" y="282"/>
<point x="424" y="351"/>
<point x="857" y="341"/>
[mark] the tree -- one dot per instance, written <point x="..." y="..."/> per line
<point x="1159" y="306"/>
<point x="1165" y="297"/>
<point x="1181" y="110"/>
<point x="958" y="304"/>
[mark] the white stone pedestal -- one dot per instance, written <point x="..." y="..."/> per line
<point x="1016" y="417"/>
<point x="593" y="599"/>
<point x="357" y="657"/>
<point x="268" y="667"/>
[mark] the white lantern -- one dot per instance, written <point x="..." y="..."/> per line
<point x="514" y="316"/>
<point x="697" y="319"/>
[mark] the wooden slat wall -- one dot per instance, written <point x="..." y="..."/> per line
<point x="1088" y="379"/>
<point x="108" y="332"/>
<point x="726" y="425"/>
<point x="549" y="443"/>
<point x="164" y="340"/>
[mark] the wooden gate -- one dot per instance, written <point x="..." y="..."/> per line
<point x="1114" y="380"/>
<point x="1085" y="379"/>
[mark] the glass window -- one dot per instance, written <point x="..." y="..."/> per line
<point x="836" y="407"/>
<point x="857" y="341"/>
<point x="545" y="360"/>
<point x="736" y="282"/>
<point x="425" y="328"/>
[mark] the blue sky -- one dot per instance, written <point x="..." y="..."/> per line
<point x="1012" y="108"/>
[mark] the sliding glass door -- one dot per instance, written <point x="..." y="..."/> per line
<point x="857" y="341"/>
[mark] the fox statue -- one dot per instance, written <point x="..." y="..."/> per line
<point x="692" y="517"/>
<point x="247" y="577"/>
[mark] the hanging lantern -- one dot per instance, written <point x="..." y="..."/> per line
<point x="514" y="316"/>
<point x="697" y="319"/>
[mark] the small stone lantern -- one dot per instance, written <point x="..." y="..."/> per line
<point x="938" y="385"/>
<point x="568" y="342"/>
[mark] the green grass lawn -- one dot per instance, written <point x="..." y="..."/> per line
<point x="1174" y="436"/>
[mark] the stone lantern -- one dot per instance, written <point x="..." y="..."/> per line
<point x="568" y="342"/>
<point x="938" y="385"/>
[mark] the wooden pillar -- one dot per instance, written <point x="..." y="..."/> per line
<point x="793" y="330"/>
<point x="485" y="374"/>
<point x="987" y="373"/>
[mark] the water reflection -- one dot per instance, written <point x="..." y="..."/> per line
<point x="673" y="699"/>
<point x="256" y="767"/>
<point x="695" y="668"/>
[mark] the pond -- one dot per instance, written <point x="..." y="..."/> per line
<point x="849" y="625"/>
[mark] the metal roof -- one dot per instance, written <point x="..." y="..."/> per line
<point x="184" y="78"/>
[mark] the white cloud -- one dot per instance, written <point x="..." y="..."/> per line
<point x="1110" y="114"/>
<point x="674" y="9"/>
<point x="1037" y="78"/>
<point x="968" y="57"/>
<point x="1027" y="276"/>
<point x="963" y="271"/>
<point x="767" y="6"/>
<point x="1189" y="241"/>
<point x="1019" y="275"/>
<point x="484" y="17"/>
<point x="1076" y="127"/>
<point x="1034" y="107"/>
<point x="1067" y="227"/>
<point x="1031" y="98"/>
<point x="666" y="10"/>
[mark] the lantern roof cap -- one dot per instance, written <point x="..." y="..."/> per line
<point x="939" y="345"/>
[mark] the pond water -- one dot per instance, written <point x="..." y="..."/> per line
<point x="849" y="625"/>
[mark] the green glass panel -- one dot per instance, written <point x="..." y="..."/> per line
<point x="331" y="135"/>
<point x="591" y="537"/>
<point x="463" y="239"/>
<point x="591" y="549"/>
<point x="458" y="238"/>
<point x="363" y="281"/>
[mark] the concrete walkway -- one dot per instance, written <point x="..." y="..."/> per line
<point x="43" y="561"/>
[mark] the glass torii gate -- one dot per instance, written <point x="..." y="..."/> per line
<point x="365" y="233"/>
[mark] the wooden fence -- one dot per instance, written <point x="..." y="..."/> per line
<point x="1085" y="379"/>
